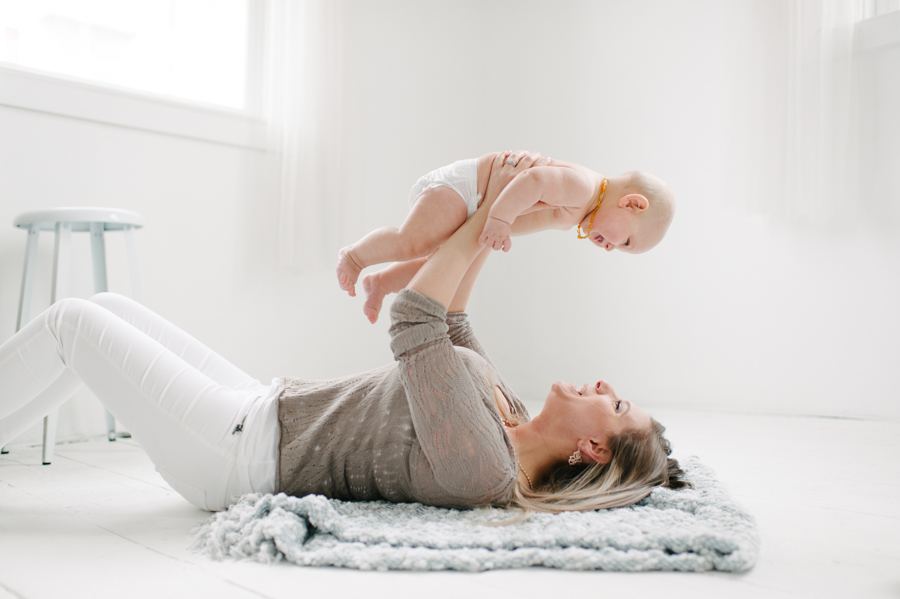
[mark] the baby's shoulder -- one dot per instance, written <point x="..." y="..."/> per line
<point x="577" y="170"/>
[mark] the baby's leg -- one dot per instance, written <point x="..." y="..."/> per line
<point x="436" y="214"/>
<point x="389" y="280"/>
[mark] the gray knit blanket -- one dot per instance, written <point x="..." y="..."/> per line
<point x="693" y="530"/>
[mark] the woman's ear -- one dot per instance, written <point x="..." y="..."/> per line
<point x="595" y="451"/>
<point x="634" y="201"/>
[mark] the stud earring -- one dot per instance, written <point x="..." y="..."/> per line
<point x="575" y="458"/>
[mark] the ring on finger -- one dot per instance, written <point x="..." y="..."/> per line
<point x="510" y="161"/>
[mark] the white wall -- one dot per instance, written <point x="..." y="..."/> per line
<point x="732" y="312"/>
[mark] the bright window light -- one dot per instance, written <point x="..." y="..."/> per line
<point x="190" y="49"/>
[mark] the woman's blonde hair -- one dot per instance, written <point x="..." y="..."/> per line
<point x="640" y="461"/>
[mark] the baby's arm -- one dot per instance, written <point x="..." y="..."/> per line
<point x="533" y="189"/>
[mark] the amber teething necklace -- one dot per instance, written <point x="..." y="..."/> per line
<point x="594" y="213"/>
<point x="516" y="455"/>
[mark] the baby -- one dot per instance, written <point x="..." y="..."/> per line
<point x="629" y="212"/>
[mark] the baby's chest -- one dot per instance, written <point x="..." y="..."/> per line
<point x="544" y="219"/>
<point x="561" y="215"/>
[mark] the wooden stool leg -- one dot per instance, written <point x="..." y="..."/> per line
<point x="50" y="421"/>
<point x="58" y="290"/>
<point x="27" y="275"/>
<point x="98" y="257"/>
<point x="137" y="292"/>
<point x="27" y="278"/>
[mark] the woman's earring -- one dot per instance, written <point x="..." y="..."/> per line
<point x="575" y="458"/>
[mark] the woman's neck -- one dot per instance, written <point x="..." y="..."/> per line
<point x="532" y="451"/>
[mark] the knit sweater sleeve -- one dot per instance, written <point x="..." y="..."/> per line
<point x="460" y="436"/>
<point x="462" y="335"/>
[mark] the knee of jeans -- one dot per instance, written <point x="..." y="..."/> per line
<point x="71" y="305"/>
<point x="79" y="314"/>
<point x="107" y="299"/>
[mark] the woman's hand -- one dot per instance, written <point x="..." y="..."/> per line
<point x="505" y="168"/>
<point x="441" y="275"/>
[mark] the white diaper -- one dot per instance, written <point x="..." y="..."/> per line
<point x="461" y="177"/>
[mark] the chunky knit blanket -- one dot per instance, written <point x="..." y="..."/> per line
<point x="690" y="530"/>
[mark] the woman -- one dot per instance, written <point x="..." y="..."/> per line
<point x="440" y="426"/>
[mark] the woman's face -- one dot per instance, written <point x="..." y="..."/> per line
<point x="589" y="413"/>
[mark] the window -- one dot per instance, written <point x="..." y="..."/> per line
<point x="189" y="49"/>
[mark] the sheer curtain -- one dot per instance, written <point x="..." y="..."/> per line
<point x="303" y="109"/>
<point x="823" y="149"/>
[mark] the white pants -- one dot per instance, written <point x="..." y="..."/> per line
<point x="181" y="401"/>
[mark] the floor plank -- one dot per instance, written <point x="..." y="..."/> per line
<point x="824" y="493"/>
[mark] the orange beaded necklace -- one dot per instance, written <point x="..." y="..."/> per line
<point x="594" y="213"/>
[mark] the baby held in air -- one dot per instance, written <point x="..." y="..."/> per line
<point x="630" y="212"/>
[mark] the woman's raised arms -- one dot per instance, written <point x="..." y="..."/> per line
<point x="449" y="275"/>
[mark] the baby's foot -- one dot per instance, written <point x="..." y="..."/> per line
<point x="374" y="296"/>
<point x="347" y="271"/>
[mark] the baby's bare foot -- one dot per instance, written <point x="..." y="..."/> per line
<point x="347" y="271"/>
<point x="374" y="296"/>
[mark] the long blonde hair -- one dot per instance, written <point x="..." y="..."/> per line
<point x="640" y="461"/>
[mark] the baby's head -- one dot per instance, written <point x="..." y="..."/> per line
<point x="634" y="215"/>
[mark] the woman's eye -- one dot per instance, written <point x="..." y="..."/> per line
<point x="618" y="403"/>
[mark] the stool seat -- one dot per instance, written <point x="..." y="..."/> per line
<point x="113" y="219"/>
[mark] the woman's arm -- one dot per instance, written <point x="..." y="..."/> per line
<point x="464" y="291"/>
<point x="446" y="273"/>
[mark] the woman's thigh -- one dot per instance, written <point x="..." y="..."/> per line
<point x="176" y="340"/>
<point x="183" y="419"/>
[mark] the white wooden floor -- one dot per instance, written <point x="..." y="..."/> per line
<point x="100" y="523"/>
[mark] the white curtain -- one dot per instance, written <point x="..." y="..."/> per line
<point x="823" y="149"/>
<point x="303" y="109"/>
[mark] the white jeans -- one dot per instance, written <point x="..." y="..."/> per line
<point x="185" y="404"/>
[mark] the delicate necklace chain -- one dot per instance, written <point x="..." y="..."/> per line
<point x="518" y="463"/>
<point x="594" y="213"/>
<point x="522" y="468"/>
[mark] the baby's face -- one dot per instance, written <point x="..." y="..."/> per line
<point x="622" y="228"/>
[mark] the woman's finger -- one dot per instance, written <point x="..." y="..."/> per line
<point x="508" y="159"/>
<point x="502" y="157"/>
<point x="530" y="159"/>
<point x="514" y="158"/>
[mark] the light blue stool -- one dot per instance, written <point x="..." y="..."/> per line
<point x="65" y="221"/>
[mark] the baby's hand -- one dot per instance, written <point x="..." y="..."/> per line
<point x="496" y="234"/>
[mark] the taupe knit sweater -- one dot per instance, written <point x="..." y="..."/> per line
<point x="424" y="428"/>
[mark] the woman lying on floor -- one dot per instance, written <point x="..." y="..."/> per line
<point x="439" y="426"/>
